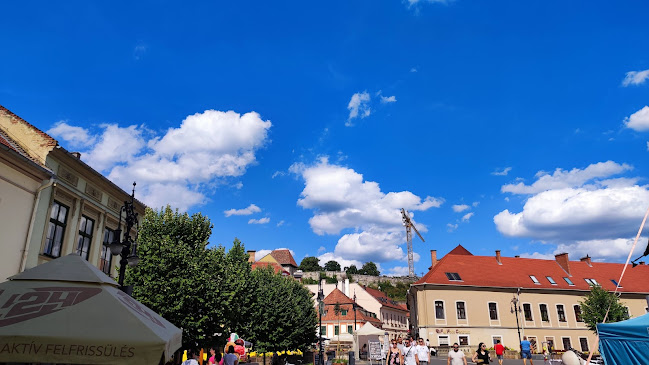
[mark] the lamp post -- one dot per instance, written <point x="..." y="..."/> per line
<point x="516" y="309"/>
<point x="127" y="248"/>
<point x="320" y="310"/>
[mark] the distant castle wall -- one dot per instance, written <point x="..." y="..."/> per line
<point x="361" y="279"/>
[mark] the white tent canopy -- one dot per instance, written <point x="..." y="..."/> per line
<point x="366" y="331"/>
<point x="68" y="311"/>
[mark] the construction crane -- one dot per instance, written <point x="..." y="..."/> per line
<point x="409" y="227"/>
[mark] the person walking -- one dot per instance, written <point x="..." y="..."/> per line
<point x="400" y="344"/>
<point x="409" y="352"/>
<point x="456" y="357"/>
<point x="395" y="357"/>
<point x="230" y="358"/>
<point x="422" y="354"/>
<point x="482" y="355"/>
<point x="500" y="351"/>
<point x="526" y="351"/>
<point x="191" y="358"/>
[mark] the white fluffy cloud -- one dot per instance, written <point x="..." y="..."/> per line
<point x="635" y="77"/>
<point x="359" y="105"/>
<point x="457" y="208"/>
<point x="75" y="136"/>
<point x="398" y="271"/>
<point x="264" y="220"/>
<point x="341" y="199"/>
<point x="610" y="249"/>
<point x="466" y="217"/>
<point x="638" y="121"/>
<point x="175" y="167"/>
<point x="388" y="99"/>
<point x="579" y="213"/>
<point x="251" y="209"/>
<point x="566" y="179"/>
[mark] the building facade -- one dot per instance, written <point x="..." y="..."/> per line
<point x="73" y="208"/>
<point x="393" y="316"/>
<point x="471" y="299"/>
<point x="340" y="317"/>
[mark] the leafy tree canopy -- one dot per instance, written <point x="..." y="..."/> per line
<point x="595" y="305"/>
<point x="369" y="268"/>
<point x="310" y="263"/>
<point x="351" y="270"/>
<point x="332" y="266"/>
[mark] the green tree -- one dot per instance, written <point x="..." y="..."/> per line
<point x="310" y="263"/>
<point x="597" y="302"/>
<point x="332" y="266"/>
<point x="351" y="270"/>
<point x="236" y="296"/>
<point x="177" y="277"/>
<point x="369" y="268"/>
<point x="284" y="317"/>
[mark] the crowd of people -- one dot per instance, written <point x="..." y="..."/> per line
<point x="409" y="351"/>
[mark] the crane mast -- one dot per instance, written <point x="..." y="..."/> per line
<point x="409" y="227"/>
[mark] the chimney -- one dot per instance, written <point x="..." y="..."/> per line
<point x="251" y="256"/>
<point x="517" y="256"/>
<point x="433" y="259"/>
<point x="347" y="287"/>
<point x="641" y="262"/>
<point x="562" y="260"/>
<point x="586" y="260"/>
<point x="498" y="257"/>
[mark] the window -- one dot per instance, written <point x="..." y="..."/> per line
<point x="527" y="309"/>
<point x="534" y="279"/>
<point x="323" y="330"/>
<point x="453" y="276"/>
<point x="106" y="260"/>
<point x="439" y="309"/>
<point x="463" y="340"/>
<point x="561" y="313"/>
<point x="615" y="283"/>
<point x="56" y="229"/>
<point x="493" y="311"/>
<point x="551" y="280"/>
<point x="443" y="340"/>
<point x="85" y="236"/>
<point x="544" y="312"/>
<point x="343" y="312"/>
<point x="569" y="281"/>
<point x="566" y="343"/>
<point x="350" y="329"/>
<point x="495" y="339"/>
<point x="577" y="309"/>
<point x="532" y="343"/>
<point x="583" y="342"/>
<point x="336" y="330"/>
<point x="461" y="311"/>
<point x="591" y="282"/>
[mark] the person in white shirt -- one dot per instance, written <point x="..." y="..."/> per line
<point x="422" y="355"/>
<point x="191" y="358"/>
<point x="409" y="352"/>
<point x="400" y="344"/>
<point x="455" y="356"/>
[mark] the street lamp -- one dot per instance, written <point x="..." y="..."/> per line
<point x="127" y="248"/>
<point x="516" y="309"/>
<point x="320" y="310"/>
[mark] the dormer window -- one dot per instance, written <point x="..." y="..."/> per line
<point x="551" y="280"/>
<point x="535" y="280"/>
<point x="591" y="282"/>
<point x="453" y="276"/>
<point x="569" y="281"/>
<point x="615" y="283"/>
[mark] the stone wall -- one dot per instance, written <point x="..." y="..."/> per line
<point x="360" y="279"/>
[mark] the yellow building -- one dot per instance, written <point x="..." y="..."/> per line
<point x="470" y="299"/>
<point x="51" y="202"/>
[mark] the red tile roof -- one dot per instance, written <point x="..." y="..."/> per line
<point x="484" y="271"/>
<point x="384" y="300"/>
<point x="345" y="303"/>
<point x="284" y="257"/>
<point x="278" y="268"/>
<point x="460" y="250"/>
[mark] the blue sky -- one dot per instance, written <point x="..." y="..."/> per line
<point x="498" y="124"/>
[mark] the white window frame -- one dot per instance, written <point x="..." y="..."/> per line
<point x="536" y="339"/>
<point x="564" y="346"/>
<point x="551" y="280"/>
<point x="531" y="310"/>
<point x="544" y="323"/>
<point x="534" y="279"/>
<point x="568" y="281"/>
<point x="497" y="314"/>
<point x="565" y="315"/>
<point x="574" y="314"/>
<point x="466" y="314"/>
<point x="468" y="340"/>
<point x="554" y="340"/>
<point x="443" y="308"/>
<point x="439" y="343"/>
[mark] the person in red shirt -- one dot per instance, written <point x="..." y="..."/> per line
<point x="500" y="350"/>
